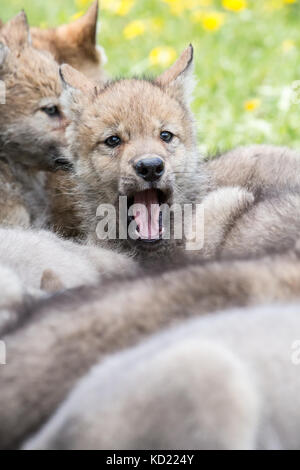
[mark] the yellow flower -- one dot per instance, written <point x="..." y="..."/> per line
<point x="252" y="104"/>
<point x="287" y="45"/>
<point x="212" y="21"/>
<point x="76" y="16"/>
<point x="124" y="7"/>
<point x="289" y="1"/>
<point x="133" y="29"/>
<point x="162" y="55"/>
<point x="235" y="5"/>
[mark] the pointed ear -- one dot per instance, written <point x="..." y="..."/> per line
<point x="72" y="78"/>
<point x="82" y="32"/>
<point x="77" y="90"/>
<point x="15" y="32"/>
<point x="178" y="80"/>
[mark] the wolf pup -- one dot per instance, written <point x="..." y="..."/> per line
<point x="32" y="126"/>
<point x="134" y="143"/>
<point x="74" y="44"/>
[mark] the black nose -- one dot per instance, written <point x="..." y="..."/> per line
<point x="150" y="169"/>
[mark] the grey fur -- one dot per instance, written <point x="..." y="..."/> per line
<point x="226" y="381"/>
<point x="65" y="336"/>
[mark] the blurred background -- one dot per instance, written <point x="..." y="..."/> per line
<point x="247" y="57"/>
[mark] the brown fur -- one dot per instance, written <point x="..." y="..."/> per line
<point x="31" y="141"/>
<point x="74" y="44"/>
<point x="69" y="333"/>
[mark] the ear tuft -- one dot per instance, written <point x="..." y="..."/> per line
<point x="179" y="67"/>
<point x="72" y="78"/>
<point x="15" y="32"/>
<point x="82" y="32"/>
<point x="178" y="80"/>
<point x="91" y="20"/>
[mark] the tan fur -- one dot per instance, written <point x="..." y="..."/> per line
<point x="31" y="141"/>
<point x="97" y="324"/>
<point x="16" y="33"/>
<point x="74" y="44"/>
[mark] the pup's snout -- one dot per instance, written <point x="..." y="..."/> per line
<point x="150" y="168"/>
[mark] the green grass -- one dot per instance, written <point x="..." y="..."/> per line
<point x="255" y="54"/>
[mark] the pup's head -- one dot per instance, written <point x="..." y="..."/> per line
<point x="32" y="124"/>
<point x="74" y="44"/>
<point x="134" y="138"/>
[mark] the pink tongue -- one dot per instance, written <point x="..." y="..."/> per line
<point x="147" y="214"/>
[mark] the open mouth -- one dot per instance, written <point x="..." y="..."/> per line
<point x="145" y="218"/>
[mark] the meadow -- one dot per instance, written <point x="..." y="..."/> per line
<point x="247" y="57"/>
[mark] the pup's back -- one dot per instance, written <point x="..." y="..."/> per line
<point x="228" y="381"/>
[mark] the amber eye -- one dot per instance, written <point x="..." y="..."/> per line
<point x="113" y="141"/>
<point x="51" y="111"/>
<point x="166" y="136"/>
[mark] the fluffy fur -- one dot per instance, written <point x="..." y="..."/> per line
<point x="226" y="381"/>
<point x="272" y="175"/>
<point x="12" y="297"/>
<point x="261" y="169"/>
<point x="251" y="194"/>
<point x="42" y="263"/>
<point x="74" y="44"/>
<point x="64" y="336"/>
<point x="31" y="142"/>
